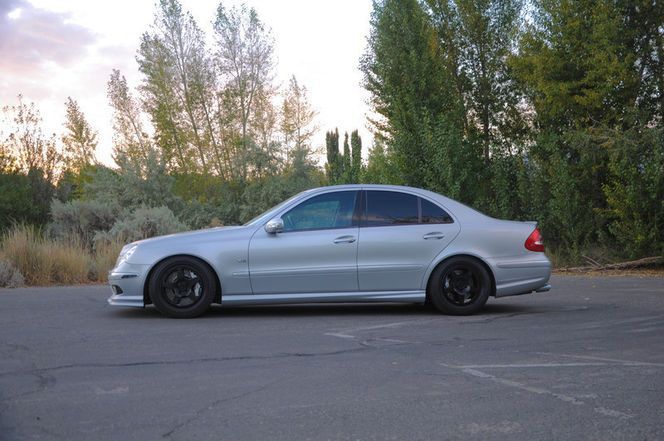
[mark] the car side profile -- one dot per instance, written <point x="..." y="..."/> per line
<point x="349" y="243"/>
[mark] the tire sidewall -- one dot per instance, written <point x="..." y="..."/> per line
<point x="444" y="305"/>
<point x="163" y="269"/>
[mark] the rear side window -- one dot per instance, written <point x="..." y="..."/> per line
<point x="391" y="208"/>
<point x="433" y="214"/>
<point x="394" y="208"/>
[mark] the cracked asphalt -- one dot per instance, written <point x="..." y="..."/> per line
<point x="584" y="362"/>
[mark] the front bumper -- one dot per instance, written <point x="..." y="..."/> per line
<point x="127" y="282"/>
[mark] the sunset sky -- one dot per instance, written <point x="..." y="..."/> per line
<point x="50" y="50"/>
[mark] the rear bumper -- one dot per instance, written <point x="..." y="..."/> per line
<point x="522" y="276"/>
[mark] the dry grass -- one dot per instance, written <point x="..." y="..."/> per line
<point x="43" y="261"/>
<point x="106" y="253"/>
<point x="637" y="272"/>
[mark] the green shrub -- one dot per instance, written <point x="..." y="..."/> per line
<point x="10" y="276"/>
<point x="81" y="220"/>
<point x="145" y="222"/>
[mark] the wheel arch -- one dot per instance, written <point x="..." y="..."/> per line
<point x="146" y="294"/>
<point x="478" y="259"/>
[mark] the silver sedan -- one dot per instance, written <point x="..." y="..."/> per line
<point x="350" y="243"/>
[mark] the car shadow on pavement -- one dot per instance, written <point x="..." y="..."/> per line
<point x="338" y="309"/>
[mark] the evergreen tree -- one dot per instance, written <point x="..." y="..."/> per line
<point x="356" y="160"/>
<point x="333" y="167"/>
<point x="346" y="161"/>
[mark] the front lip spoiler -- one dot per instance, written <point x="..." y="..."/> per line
<point x="544" y="288"/>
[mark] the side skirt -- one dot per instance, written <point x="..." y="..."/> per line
<point x="328" y="297"/>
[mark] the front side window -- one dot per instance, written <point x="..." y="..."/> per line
<point x="390" y="208"/>
<point x="325" y="211"/>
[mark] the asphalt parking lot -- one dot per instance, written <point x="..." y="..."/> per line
<point x="582" y="362"/>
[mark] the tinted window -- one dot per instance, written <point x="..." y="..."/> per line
<point x="390" y="208"/>
<point x="330" y="210"/>
<point x="433" y="214"/>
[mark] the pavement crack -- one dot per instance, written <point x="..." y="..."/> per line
<point x="198" y="414"/>
<point x="279" y="355"/>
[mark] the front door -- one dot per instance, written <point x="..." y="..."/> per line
<point x="316" y="252"/>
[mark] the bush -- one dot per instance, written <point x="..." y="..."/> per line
<point x="10" y="277"/>
<point x="145" y="222"/>
<point x="23" y="198"/>
<point x="80" y="220"/>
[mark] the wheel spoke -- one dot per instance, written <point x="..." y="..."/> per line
<point x="181" y="286"/>
<point x="192" y="282"/>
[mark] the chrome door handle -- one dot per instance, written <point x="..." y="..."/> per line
<point x="435" y="235"/>
<point x="344" y="239"/>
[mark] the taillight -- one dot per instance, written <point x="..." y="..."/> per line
<point x="534" y="241"/>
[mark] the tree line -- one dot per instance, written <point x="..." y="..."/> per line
<point x="547" y="110"/>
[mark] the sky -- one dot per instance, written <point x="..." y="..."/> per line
<point x="50" y="50"/>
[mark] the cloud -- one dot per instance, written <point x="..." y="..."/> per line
<point x="31" y="37"/>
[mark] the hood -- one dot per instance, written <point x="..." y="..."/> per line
<point x="188" y="235"/>
<point x="190" y="242"/>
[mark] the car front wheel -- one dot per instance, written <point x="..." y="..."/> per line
<point x="182" y="287"/>
<point x="459" y="286"/>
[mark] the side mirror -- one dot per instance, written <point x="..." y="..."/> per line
<point x="274" y="226"/>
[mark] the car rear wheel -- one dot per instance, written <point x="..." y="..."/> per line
<point x="182" y="287"/>
<point x="459" y="286"/>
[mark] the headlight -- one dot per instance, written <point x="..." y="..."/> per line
<point x="126" y="253"/>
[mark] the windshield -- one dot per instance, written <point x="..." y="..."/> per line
<point x="263" y="217"/>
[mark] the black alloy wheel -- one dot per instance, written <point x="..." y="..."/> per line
<point x="182" y="287"/>
<point x="459" y="286"/>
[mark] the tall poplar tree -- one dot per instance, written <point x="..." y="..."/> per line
<point x="356" y="160"/>
<point x="79" y="140"/>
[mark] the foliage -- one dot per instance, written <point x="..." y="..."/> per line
<point x="145" y="222"/>
<point x="554" y="117"/>
<point x="635" y="189"/>
<point x="30" y="148"/>
<point x="10" y="277"/>
<point x="81" y="220"/>
<point x="79" y="140"/>
<point x="24" y="198"/>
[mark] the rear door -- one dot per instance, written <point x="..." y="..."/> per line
<point x="400" y="234"/>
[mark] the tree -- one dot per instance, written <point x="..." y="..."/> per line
<point x="421" y="111"/>
<point x="27" y="144"/>
<point x="356" y="160"/>
<point x="132" y="146"/>
<point x="179" y="89"/>
<point x="333" y="167"/>
<point x="380" y="167"/>
<point x="297" y="118"/>
<point x="346" y="161"/>
<point x="244" y="57"/>
<point x="79" y="140"/>
<point x="476" y="39"/>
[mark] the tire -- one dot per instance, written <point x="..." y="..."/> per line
<point x="459" y="286"/>
<point x="182" y="287"/>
